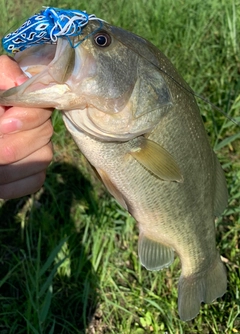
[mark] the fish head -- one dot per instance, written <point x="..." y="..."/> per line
<point x="106" y="80"/>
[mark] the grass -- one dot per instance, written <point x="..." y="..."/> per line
<point x="68" y="253"/>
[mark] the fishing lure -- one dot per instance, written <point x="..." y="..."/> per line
<point x="46" y="27"/>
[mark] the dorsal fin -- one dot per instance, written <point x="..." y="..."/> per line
<point x="221" y="193"/>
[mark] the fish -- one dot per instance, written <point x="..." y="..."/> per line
<point x="138" y="124"/>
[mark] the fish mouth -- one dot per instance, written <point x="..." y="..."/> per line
<point x="54" y="61"/>
<point x="53" y="70"/>
<point x="36" y="60"/>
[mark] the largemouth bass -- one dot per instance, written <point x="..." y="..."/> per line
<point x="137" y="122"/>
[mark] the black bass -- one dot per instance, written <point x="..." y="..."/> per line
<point x="138" y="124"/>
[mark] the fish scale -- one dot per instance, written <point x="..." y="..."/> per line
<point x="162" y="211"/>
<point x="137" y="123"/>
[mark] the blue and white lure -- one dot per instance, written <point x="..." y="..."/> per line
<point x="46" y="27"/>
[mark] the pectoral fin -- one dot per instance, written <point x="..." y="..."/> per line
<point x="153" y="255"/>
<point x="157" y="160"/>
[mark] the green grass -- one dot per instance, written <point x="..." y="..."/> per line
<point x="68" y="254"/>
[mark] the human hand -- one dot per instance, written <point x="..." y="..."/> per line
<point x="25" y="133"/>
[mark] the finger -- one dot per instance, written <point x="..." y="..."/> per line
<point x="2" y="110"/>
<point x="21" y="119"/>
<point x="22" y="187"/>
<point x="33" y="164"/>
<point x="10" y="73"/>
<point x="17" y="146"/>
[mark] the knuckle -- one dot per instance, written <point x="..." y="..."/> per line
<point x="8" y="154"/>
<point x="49" y="128"/>
<point x="39" y="180"/>
<point x="46" y="155"/>
<point x="49" y="152"/>
<point x="36" y="116"/>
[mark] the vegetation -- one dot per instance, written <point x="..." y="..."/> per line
<point x="68" y="253"/>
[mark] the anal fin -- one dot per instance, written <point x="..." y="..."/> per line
<point x="153" y="255"/>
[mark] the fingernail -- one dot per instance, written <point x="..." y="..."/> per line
<point x="10" y="125"/>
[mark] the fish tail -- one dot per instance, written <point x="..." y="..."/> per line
<point x="202" y="287"/>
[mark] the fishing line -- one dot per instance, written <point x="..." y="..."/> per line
<point x="189" y="90"/>
<point x="201" y="97"/>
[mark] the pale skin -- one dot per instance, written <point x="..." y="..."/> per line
<point x="25" y="134"/>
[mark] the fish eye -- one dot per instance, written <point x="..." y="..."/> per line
<point x="102" y="39"/>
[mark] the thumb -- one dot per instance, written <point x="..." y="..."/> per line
<point x="10" y="73"/>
